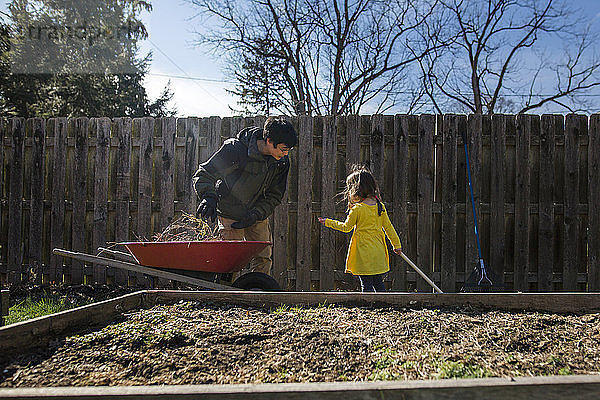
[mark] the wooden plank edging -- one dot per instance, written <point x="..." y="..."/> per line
<point x="546" y="387"/>
<point x="542" y="302"/>
<point x="38" y="332"/>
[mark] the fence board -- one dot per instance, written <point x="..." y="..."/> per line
<point x="280" y="240"/>
<point x="167" y="172"/>
<point x="192" y="146"/>
<point x="476" y="125"/>
<point x="546" y="206"/>
<point x="38" y="127"/>
<point x="102" y="126"/>
<point x="283" y="230"/>
<point x="403" y="124"/>
<point x="144" y="220"/>
<point x="304" y="224"/>
<point x="15" y="203"/>
<point x="582" y="186"/>
<point x="376" y="153"/>
<point x="497" y="178"/>
<point x="58" y="198"/>
<point x="180" y="192"/>
<point x="522" y="192"/>
<point x="571" y="202"/>
<point x="79" y="195"/>
<point x="236" y="125"/>
<point x="4" y="126"/>
<point x="449" y="185"/>
<point x="327" y="242"/>
<point x="213" y="127"/>
<point x="123" y="128"/>
<point x="549" y="208"/>
<point x="425" y="198"/>
<point x="352" y="142"/>
<point x="594" y="204"/>
<point x="353" y="128"/>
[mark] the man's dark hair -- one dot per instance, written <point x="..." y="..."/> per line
<point x="280" y="130"/>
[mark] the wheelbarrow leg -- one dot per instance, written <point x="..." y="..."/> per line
<point x="140" y="268"/>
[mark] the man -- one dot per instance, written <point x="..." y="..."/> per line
<point x="244" y="181"/>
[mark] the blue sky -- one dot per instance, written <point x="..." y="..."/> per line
<point x="171" y="35"/>
<point x="175" y="58"/>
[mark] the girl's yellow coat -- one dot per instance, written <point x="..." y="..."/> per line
<point x="368" y="253"/>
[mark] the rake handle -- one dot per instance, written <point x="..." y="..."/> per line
<point x="412" y="264"/>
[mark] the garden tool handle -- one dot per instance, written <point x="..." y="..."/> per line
<point x="412" y="264"/>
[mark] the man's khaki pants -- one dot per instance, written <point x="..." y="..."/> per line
<point x="260" y="231"/>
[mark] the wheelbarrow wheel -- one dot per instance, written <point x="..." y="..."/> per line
<point x="256" y="281"/>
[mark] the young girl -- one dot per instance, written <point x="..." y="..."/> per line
<point x="367" y="255"/>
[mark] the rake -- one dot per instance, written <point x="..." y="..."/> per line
<point x="481" y="279"/>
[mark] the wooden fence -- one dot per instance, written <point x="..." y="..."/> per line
<point x="87" y="182"/>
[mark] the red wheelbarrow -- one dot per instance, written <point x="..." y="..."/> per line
<point x="201" y="263"/>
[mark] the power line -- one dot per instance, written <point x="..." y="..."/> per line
<point x="186" y="74"/>
<point x="193" y="78"/>
<point x="398" y="92"/>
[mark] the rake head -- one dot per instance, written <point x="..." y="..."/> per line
<point x="482" y="279"/>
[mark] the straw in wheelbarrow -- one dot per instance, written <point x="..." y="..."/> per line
<point x="186" y="228"/>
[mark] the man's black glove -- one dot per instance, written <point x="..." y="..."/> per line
<point x="208" y="207"/>
<point x="247" y="221"/>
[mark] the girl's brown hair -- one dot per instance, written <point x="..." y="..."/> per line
<point x="361" y="183"/>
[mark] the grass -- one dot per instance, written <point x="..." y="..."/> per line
<point x="33" y="308"/>
<point x="151" y="332"/>
<point x="388" y="365"/>
<point x="462" y="370"/>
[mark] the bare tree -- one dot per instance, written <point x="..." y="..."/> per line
<point x="332" y="57"/>
<point x="506" y="56"/>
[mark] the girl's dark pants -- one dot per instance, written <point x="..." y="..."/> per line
<point x="371" y="283"/>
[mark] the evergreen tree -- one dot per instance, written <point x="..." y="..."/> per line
<point x="73" y="58"/>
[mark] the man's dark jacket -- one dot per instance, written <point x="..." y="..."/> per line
<point x="243" y="178"/>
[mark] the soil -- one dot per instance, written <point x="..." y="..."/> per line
<point x="194" y="343"/>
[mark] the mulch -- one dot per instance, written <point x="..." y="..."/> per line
<point x="199" y="343"/>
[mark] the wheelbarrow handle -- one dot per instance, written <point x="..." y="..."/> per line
<point x="412" y="264"/>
